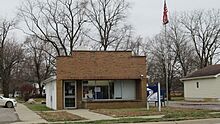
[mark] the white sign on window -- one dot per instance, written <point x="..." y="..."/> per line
<point x="70" y="91"/>
<point x="97" y="89"/>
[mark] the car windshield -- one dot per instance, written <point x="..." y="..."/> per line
<point x="2" y="97"/>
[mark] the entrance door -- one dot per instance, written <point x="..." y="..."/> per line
<point x="69" y="94"/>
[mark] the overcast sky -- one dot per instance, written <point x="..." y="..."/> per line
<point x="145" y="15"/>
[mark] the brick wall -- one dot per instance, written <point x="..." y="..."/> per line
<point x="60" y="95"/>
<point x="115" y="104"/>
<point x="79" y="94"/>
<point x="100" y="65"/>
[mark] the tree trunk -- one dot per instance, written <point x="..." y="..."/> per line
<point x="5" y="88"/>
<point x="41" y="91"/>
<point x="13" y="93"/>
<point x="105" y="47"/>
<point x="169" y="91"/>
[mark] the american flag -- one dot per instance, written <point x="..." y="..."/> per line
<point x="165" y="16"/>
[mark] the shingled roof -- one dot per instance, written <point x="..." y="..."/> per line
<point x="211" y="70"/>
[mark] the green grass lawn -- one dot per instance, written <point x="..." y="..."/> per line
<point x="52" y="116"/>
<point x="129" y="112"/>
<point x="140" y="120"/>
<point x="38" y="107"/>
<point x="167" y="111"/>
<point x="170" y="114"/>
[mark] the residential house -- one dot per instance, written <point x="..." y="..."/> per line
<point x="37" y="89"/>
<point x="203" y="84"/>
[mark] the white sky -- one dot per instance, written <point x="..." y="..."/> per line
<point x="145" y="15"/>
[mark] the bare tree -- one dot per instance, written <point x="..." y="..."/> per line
<point x="13" y="54"/>
<point x="41" y="64"/>
<point x="203" y="28"/>
<point x="124" y="39"/>
<point x="107" y="18"/>
<point x="5" y="27"/>
<point x="59" y="22"/>
<point x="182" y="46"/>
<point x="192" y="42"/>
<point x="162" y="61"/>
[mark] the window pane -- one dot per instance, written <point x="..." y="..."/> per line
<point x="69" y="102"/>
<point x="88" y="89"/>
<point x="69" y="89"/>
<point x="117" y="89"/>
<point x="109" y="89"/>
<point x="101" y="89"/>
<point x="197" y="84"/>
<point x="128" y="89"/>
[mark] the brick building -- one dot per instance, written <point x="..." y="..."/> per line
<point x="100" y="79"/>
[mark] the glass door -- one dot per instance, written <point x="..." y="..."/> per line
<point x="69" y="94"/>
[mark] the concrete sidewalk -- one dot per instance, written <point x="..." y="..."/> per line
<point x="27" y="116"/>
<point x="91" y="116"/>
<point x="200" y="121"/>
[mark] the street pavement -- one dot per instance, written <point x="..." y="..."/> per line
<point x="7" y="115"/>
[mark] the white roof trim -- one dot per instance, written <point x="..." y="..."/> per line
<point x="201" y="77"/>
<point x="49" y="79"/>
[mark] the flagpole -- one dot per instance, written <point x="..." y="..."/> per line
<point x="165" y="22"/>
<point x="167" y="66"/>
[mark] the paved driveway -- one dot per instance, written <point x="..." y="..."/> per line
<point x="7" y="115"/>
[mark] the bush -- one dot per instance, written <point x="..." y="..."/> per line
<point x="26" y="91"/>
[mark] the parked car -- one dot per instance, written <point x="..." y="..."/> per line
<point x="7" y="102"/>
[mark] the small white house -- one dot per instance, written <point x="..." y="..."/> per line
<point x="203" y="84"/>
<point x="36" y="86"/>
<point x="50" y="86"/>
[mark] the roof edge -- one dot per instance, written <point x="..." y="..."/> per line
<point x="200" y="77"/>
<point x="101" y="51"/>
<point x="52" y="78"/>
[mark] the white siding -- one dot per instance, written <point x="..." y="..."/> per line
<point x="208" y="89"/>
<point x="51" y="94"/>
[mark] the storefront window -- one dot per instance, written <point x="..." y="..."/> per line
<point x="109" y="89"/>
